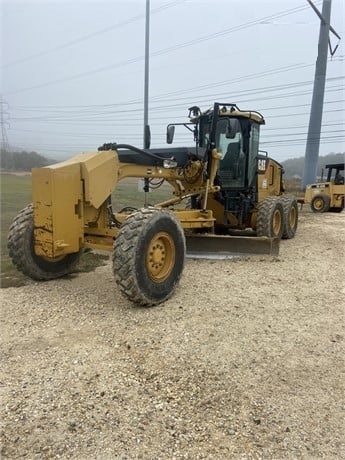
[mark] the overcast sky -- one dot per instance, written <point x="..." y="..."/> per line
<point x="73" y="71"/>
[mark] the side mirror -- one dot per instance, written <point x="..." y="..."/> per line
<point x="170" y="134"/>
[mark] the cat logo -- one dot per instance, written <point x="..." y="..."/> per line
<point x="262" y="163"/>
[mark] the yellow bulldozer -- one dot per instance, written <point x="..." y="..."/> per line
<point x="327" y="195"/>
<point x="227" y="196"/>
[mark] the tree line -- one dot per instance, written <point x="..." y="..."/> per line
<point x="21" y="160"/>
<point x="294" y="167"/>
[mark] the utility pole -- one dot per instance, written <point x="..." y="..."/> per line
<point x="147" y="135"/>
<point x="313" y="139"/>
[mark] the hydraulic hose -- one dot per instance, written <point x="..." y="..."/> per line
<point x="114" y="146"/>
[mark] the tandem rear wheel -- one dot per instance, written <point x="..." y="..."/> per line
<point x="270" y="218"/>
<point x="290" y="208"/>
<point x="277" y="217"/>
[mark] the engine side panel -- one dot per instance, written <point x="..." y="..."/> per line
<point x="271" y="183"/>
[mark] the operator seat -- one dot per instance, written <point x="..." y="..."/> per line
<point x="339" y="179"/>
<point x="229" y="164"/>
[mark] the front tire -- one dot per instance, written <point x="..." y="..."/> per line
<point x="290" y="208"/>
<point x="320" y="203"/>
<point x="148" y="256"/>
<point x="22" y="251"/>
<point x="270" y="218"/>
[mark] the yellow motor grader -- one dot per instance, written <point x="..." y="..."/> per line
<point x="222" y="185"/>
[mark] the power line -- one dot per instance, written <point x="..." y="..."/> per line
<point x="119" y="113"/>
<point x="121" y="120"/>
<point x="265" y="73"/>
<point x="92" y="107"/>
<point x="188" y="141"/>
<point x="161" y="96"/>
<point x="76" y="135"/>
<point x="83" y="38"/>
<point x="165" y="50"/>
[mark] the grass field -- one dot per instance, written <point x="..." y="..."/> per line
<point x="16" y="194"/>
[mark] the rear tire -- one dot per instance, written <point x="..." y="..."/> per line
<point x="148" y="256"/>
<point x="290" y="208"/>
<point x="339" y="208"/>
<point x="320" y="203"/>
<point x="22" y="251"/>
<point x="270" y="218"/>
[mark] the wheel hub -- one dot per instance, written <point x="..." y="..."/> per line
<point x="318" y="203"/>
<point x="292" y="217"/>
<point x="277" y="222"/>
<point x="160" y="257"/>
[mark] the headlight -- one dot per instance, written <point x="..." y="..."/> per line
<point x="169" y="163"/>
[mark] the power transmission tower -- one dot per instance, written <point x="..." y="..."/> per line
<point x="313" y="139"/>
<point x="3" y="123"/>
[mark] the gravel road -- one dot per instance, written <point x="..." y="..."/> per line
<point x="245" y="361"/>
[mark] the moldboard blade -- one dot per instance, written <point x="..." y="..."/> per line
<point x="228" y="247"/>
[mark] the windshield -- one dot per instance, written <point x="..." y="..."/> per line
<point x="222" y="131"/>
<point x="232" y="168"/>
<point x="229" y="144"/>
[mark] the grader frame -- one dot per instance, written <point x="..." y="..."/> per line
<point x="72" y="209"/>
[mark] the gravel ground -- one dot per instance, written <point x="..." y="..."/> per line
<point x="245" y="361"/>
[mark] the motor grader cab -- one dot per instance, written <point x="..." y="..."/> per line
<point x="327" y="195"/>
<point x="251" y="185"/>
<point x="221" y="185"/>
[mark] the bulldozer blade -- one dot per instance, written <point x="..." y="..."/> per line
<point x="228" y="247"/>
